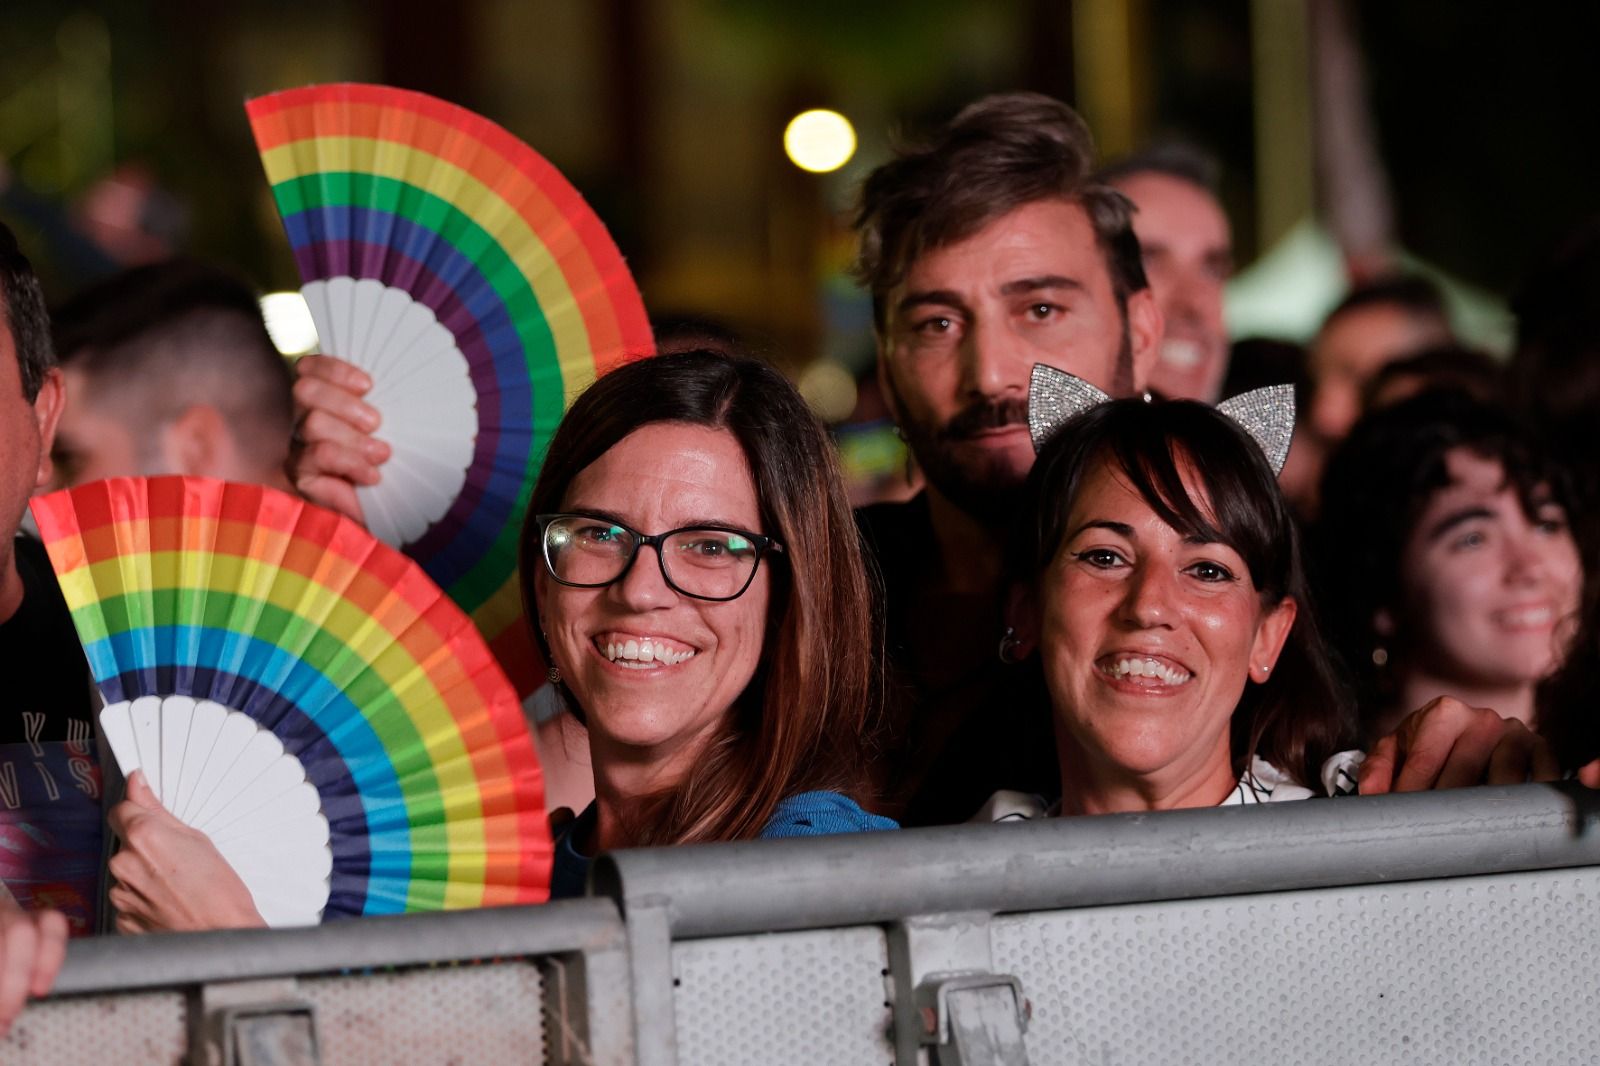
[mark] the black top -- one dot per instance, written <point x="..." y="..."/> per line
<point x="963" y="724"/>
<point x="45" y="693"/>
<point x="51" y="824"/>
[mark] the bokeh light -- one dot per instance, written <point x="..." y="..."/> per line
<point x="289" y="322"/>
<point x="819" y="140"/>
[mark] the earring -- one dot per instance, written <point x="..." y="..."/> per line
<point x="1009" y="643"/>
<point x="1264" y="671"/>
<point x="554" y="675"/>
<point x="1380" y="656"/>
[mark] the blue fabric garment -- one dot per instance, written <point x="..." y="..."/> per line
<point x="809" y="814"/>
<point x="818" y="814"/>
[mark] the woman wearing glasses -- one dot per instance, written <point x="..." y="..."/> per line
<point x="697" y="581"/>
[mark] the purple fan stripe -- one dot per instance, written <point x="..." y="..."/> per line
<point x="325" y="768"/>
<point x="465" y="303"/>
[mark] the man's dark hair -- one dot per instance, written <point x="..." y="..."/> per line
<point x="1000" y="153"/>
<point x="1409" y="292"/>
<point x="1170" y="158"/>
<point x="25" y="315"/>
<point x="183" y="332"/>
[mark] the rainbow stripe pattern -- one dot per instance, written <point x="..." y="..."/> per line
<point x="339" y="645"/>
<point x="379" y="183"/>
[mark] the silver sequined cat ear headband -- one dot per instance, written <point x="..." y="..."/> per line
<point x="1056" y="397"/>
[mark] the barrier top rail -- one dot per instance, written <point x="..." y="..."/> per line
<point x="731" y="889"/>
<point x="130" y="963"/>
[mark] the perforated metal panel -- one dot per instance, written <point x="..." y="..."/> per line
<point x="449" y="1014"/>
<point x="145" y="1027"/>
<point x="1491" y="970"/>
<point x="803" y="998"/>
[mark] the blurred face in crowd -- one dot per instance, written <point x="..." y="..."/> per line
<point x="93" y="443"/>
<point x="1490" y="592"/>
<point x="657" y="671"/>
<point x="1147" y="640"/>
<point x="1188" y="255"/>
<point x="964" y="330"/>
<point x="1352" y="348"/>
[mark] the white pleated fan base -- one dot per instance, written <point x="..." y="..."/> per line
<point x="218" y="771"/>
<point x="422" y="389"/>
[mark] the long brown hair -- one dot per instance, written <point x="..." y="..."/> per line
<point x="806" y="719"/>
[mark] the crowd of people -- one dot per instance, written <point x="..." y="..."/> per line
<point x="1119" y="605"/>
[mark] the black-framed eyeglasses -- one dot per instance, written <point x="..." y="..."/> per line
<point x="706" y="562"/>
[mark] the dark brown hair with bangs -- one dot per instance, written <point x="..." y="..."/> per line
<point x="807" y="719"/>
<point x="1375" y="489"/>
<point x="1302" y="713"/>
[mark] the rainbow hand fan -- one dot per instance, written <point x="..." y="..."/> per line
<point x="470" y="280"/>
<point x="303" y="694"/>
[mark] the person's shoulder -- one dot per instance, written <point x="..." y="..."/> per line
<point x="30" y="552"/>
<point x="822" y="814"/>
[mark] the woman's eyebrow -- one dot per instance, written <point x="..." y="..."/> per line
<point x="598" y="512"/>
<point x="1454" y="519"/>
<point x="693" y="522"/>
<point x="1121" y="529"/>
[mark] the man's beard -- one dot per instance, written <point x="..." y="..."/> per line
<point x="988" y="489"/>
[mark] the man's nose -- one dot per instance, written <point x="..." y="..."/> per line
<point x="990" y="361"/>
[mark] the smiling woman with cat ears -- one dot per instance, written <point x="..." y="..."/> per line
<point x="1157" y="577"/>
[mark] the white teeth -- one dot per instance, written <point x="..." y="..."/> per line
<point x="1527" y="616"/>
<point x="1150" y="668"/>
<point x="645" y="652"/>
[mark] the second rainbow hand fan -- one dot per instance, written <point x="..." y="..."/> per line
<point x="303" y="694"/>
<point x="470" y="280"/>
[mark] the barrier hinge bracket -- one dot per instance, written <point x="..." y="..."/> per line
<point x="977" y="1018"/>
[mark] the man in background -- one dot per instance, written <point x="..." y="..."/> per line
<point x="45" y="713"/>
<point x="1188" y="257"/>
<point x="169" y="370"/>
<point x="987" y="250"/>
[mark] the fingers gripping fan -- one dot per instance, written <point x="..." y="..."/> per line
<point x="470" y="280"/>
<point x="304" y="695"/>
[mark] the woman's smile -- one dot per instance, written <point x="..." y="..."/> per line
<point x="642" y="651"/>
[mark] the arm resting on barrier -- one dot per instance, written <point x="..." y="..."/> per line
<point x="32" y="947"/>
<point x="1448" y="744"/>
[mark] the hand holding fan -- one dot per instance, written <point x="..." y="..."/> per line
<point x="304" y="695"/>
<point x="469" y="279"/>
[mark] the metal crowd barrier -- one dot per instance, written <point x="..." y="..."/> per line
<point x="1440" y="928"/>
